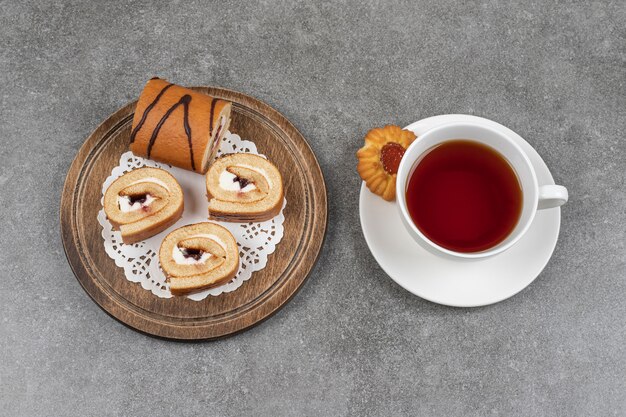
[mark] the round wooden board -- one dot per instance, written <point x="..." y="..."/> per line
<point x="179" y="317"/>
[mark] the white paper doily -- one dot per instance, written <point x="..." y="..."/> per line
<point x="141" y="260"/>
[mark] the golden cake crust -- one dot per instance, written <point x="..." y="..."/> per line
<point x="178" y="126"/>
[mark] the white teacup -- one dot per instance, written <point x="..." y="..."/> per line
<point x="535" y="197"/>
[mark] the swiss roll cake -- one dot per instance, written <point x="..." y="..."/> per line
<point x="198" y="256"/>
<point x="142" y="203"/>
<point x="244" y="188"/>
<point x="178" y="126"/>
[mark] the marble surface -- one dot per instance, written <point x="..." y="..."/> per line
<point x="351" y="342"/>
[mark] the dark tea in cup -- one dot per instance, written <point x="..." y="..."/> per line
<point x="464" y="196"/>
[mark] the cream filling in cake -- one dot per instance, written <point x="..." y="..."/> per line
<point x="228" y="182"/>
<point x="180" y="258"/>
<point x="126" y="206"/>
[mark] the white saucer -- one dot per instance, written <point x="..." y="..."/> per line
<point x="459" y="283"/>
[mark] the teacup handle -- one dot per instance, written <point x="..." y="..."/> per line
<point x="552" y="196"/>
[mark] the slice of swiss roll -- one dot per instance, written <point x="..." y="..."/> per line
<point x="142" y="203"/>
<point x="198" y="256"/>
<point x="244" y="188"/>
<point x="178" y="126"/>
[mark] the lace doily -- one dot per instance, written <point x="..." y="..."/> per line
<point x="141" y="261"/>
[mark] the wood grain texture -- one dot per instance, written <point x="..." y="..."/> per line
<point x="179" y="317"/>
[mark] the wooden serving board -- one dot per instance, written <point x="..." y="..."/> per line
<point x="215" y="316"/>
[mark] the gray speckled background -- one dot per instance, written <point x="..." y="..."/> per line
<point x="351" y="342"/>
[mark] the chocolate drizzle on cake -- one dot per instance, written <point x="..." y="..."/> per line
<point x="213" y="103"/>
<point x="184" y="100"/>
<point x="144" y="116"/>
